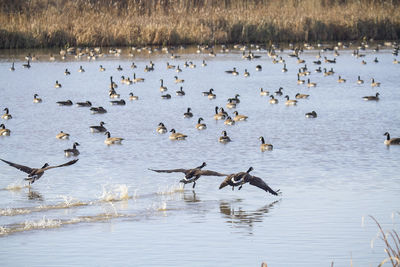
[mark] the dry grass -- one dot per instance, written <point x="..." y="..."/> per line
<point x="44" y="23"/>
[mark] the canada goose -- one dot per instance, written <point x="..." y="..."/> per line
<point x="231" y="104"/>
<point x="170" y="66"/>
<point x="176" y="136"/>
<point x="318" y="62"/>
<point x="178" y="69"/>
<point x="219" y="115"/>
<point x="235" y="99"/>
<point x="300" y="81"/>
<point x="35" y="173"/>
<point x="299" y="96"/>
<point x="371" y="98"/>
<point x="284" y="69"/>
<point x="329" y="60"/>
<point x="133" y="97"/>
<point x="161" y="129"/>
<point x="233" y="72"/>
<point x="67" y="72"/>
<point x="102" y="68"/>
<point x="98" y="110"/>
<point x="264" y="146"/>
<point x="273" y="100"/>
<point x="81" y="69"/>
<point x="113" y="85"/>
<point x="188" y="114"/>
<point x="279" y="92"/>
<point x="204" y="63"/>
<point x="178" y="80"/>
<point x="239" y="117"/>
<point x="240" y="178"/>
<point x="84" y="104"/>
<point x="119" y="68"/>
<point x="263" y="93"/>
<point x="200" y="126"/>
<point x="211" y="95"/>
<point x="118" y="102"/>
<point x="113" y="94"/>
<point x="376" y="60"/>
<point x="6" y="115"/>
<point x="27" y="65"/>
<point x="162" y="87"/>
<point x="12" y="67"/>
<point x="57" y="85"/>
<point x="246" y="73"/>
<point x="310" y="84"/>
<point x="229" y="121"/>
<point x="395" y="61"/>
<point x="133" y="65"/>
<point x="393" y="141"/>
<point x="137" y="80"/>
<point x="167" y="96"/>
<point x="98" y="128"/>
<point x="64" y="103"/>
<point x="4" y="131"/>
<point x="300" y="61"/>
<point x="328" y="73"/>
<point x="224" y="138"/>
<point x="341" y="80"/>
<point x="62" y="135"/>
<point x="72" y="151"/>
<point x="311" y="114"/>
<point x="375" y="84"/>
<point x="186" y="64"/>
<point x="112" y="140"/>
<point x="180" y="92"/>
<point x="290" y="102"/>
<point x="192" y="175"/>
<point x="174" y="56"/>
<point x="319" y="70"/>
<point x="359" y="81"/>
<point x="36" y="99"/>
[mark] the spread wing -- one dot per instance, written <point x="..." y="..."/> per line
<point x="257" y="181"/>
<point x="169" y="171"/>
<point x="19" y="167"/>
<point x="62" y="165"/>
<point x="211" y="173"/>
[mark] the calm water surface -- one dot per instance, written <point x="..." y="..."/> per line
<point x="109" y="209"/>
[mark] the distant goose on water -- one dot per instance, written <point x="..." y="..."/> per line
<point x="391" y="141"/>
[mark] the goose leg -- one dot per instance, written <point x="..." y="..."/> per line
<point x="194" y="184"/>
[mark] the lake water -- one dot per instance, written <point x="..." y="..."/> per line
<point x="109" y="209"/>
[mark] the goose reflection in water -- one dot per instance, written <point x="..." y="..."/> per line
<point x="34" y="195"/>
<point x="238" y="217"/>
<point x="190" y="197"/>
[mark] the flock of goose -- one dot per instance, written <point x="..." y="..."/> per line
<point x="192" y="175"/>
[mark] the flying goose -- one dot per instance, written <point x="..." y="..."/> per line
<point x="98" y="110"/>
<point x="371" y="98"/>
<point x="62" y="135"/>
<point x="161" y="129"/>
<point x="192" y="175"/>
<point x="34" y="173"/>
<point x="6" y="115"/>
<point x="98" y="128"/>
<point x="311" y="114"/>
<point x="264" y="146"/>
<point x="4" y="131"/>
<point x="65" y="103"/>
<point x="112" y="140"/>
<point x="200" y="126"/>
<point x="72" y="151"/>
<point x="177" y="136"/>
<point x="36" y="99"/>
<point x="84" y="104"/>
<point x="224" y="138"/>
<point x="240" y="178"/>
<point x="393" y="141"/>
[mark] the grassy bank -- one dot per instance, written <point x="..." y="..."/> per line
<point x="47" y="23"/>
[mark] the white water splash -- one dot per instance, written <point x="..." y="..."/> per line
<point x="115" y="192"/>
<point x="169" y="190"/>
<point x="42" y="224"/>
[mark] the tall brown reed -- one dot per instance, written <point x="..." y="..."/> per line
<point x="44" y="23"/>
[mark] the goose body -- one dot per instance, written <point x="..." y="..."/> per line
<point x="81" y="69"/>
<point x="36" y="99"/>
<point x="263" y="93"/>
<point x="300" y="96"/>
<point x="359" y="81"/>
<point x="279" y="92"/>
<point x="311" y="84"/>
<point x="239" y="117"/>
<point x="177" y="136"/>
<point x="133" y="97"/>
<point x="118" y="102"/>
<point x="57" y="85"/>
<point x="84" y="104"/>
<point x="264" y="146"/>
<point x="375" y="84"/>
<point x="219" y="115"/>
<point x="98" y="128"/>
<point x="229" y="121"/>
<point x="6" y="115"/>
<point x="34" y="174"/>
<point x="273" y="100"/>
<point x="391" y="141"/>
<point x="188" y="113"/>
<point x="98" y="110"/>
<point x="241" y="178"/>
<point x="231" y="104"/>
<point x="233" y="71"/>
<point x="72" y="151"/>
<point x="162" y="87"/>
<point x="178" y="80"/>
<point x="112" y="140"/>
<point x="101" y="68"/>
<point x="161" y="129"/>
<point x="62" y="135"/>
<point x="180" y="92"/>
<point x="371" y="98"/>
<point x="27" y="65"/>
<point x="341" y="80"/>
<point x="4" y="131"/>
<point x="65" y="103"/>
<point x="137" y="80"/>
<point x="166" y="96"/>
<point x="224" y="138"/>
<point x="290" y="102"/>
<point x="200" y="126"/>
<point x="67" y="72"/>
<point x="311" y="114"/>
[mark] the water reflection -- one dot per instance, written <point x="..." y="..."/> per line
<point x="190" y="196"/>
<point x="34" y="195"/>
<point x="238" y="217"/>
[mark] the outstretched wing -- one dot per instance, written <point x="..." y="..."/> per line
<point x="169" y="171"/>
<point x="62" y="165"/>
<point x="211" y="173"/>
<point x="257" y="181"/>
<point x="19" y="167"/>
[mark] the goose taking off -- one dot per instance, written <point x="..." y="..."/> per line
<point x="35" y="173"/>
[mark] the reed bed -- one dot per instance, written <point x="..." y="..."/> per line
<point x="59" y="23"/>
